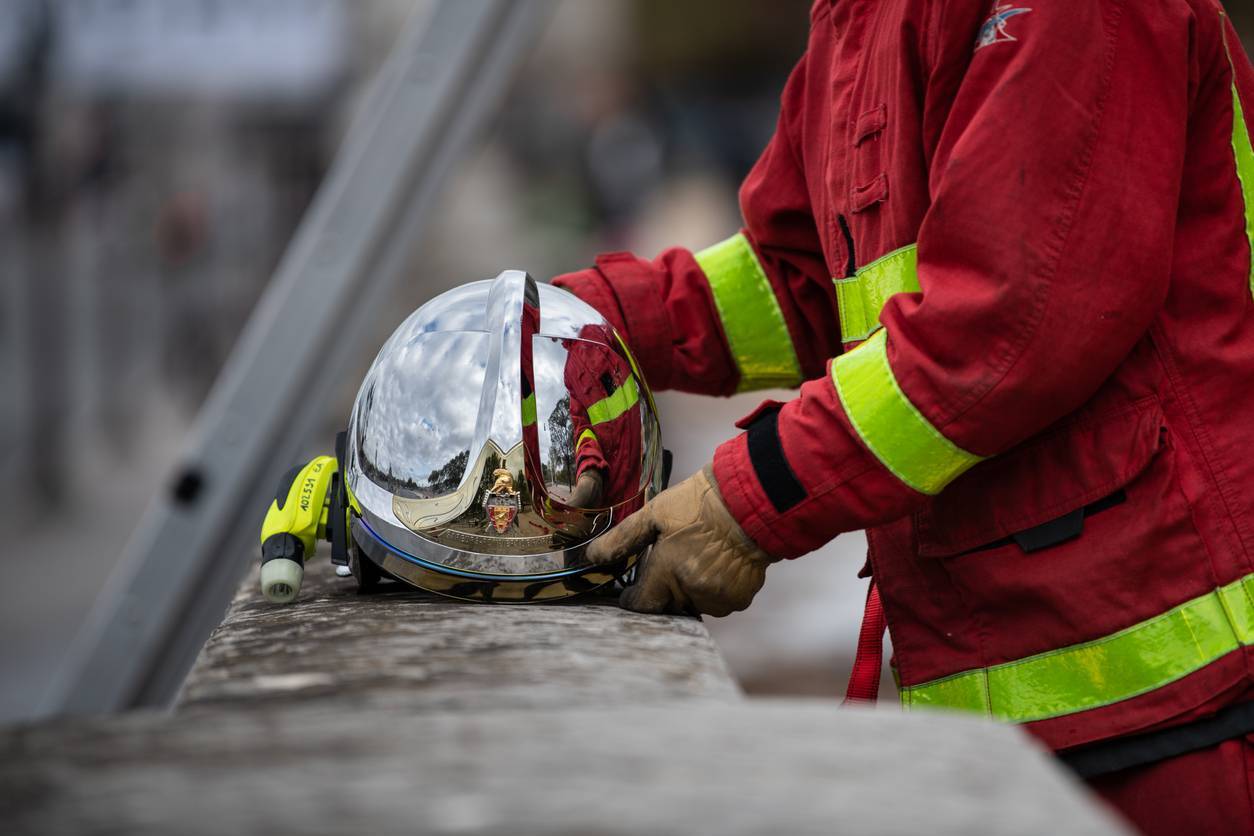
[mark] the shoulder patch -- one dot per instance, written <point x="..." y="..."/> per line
<point x="994" y="30"/>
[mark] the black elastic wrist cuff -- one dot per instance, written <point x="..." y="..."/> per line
<point x="766" y="452"/>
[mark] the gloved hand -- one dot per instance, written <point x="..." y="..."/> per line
<point x="587" y="492"/>
<point x="701" y="559"/>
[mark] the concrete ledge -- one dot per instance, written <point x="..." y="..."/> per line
<point x="408" y="648"/>
<point x="405" y="713"/>
<point x="692" y="767"/>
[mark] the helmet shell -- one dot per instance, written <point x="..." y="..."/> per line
<point x="500" y="429"/>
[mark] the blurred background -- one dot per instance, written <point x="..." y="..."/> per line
<point x="157" y="155"/>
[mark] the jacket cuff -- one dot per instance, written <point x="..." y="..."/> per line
<point x="746" y="500"/>
<point x="624" y="289"/>
<point x="837" y="485"/>
<point x="590" y="286"/>
<point x="648" y="332"/>
<point x="810" y="524"/>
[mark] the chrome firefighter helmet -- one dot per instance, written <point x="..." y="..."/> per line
<point x="501" y="428"/>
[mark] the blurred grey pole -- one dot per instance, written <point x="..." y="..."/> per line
<point x="43" y="349"/>
<point x="444" y="76"/>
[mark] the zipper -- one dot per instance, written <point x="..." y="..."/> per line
<point x="851" y="264"/>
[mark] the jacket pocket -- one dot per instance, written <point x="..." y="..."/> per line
<point x="1040" y="493"/>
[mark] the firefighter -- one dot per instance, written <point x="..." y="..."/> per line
<point x="1005" y="252"/>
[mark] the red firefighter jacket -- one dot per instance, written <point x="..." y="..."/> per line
<point x="604" y="408"/>
<point x="1023" y="232"/>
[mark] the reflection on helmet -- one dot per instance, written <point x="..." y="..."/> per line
<point x="500" y="429"/>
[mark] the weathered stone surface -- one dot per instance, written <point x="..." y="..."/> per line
<point x="406" y="713"/>
<point x="405" y="647"/>
<point x="790" y="767"/>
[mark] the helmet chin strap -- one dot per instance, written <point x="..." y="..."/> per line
<point x="337" y="518"/>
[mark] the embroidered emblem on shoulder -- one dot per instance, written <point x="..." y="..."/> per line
<point x="994" y="30"/>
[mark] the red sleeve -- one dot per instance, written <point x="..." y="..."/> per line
<point x="665" y="312"/>
<point x="588" y="452"/>
<point x="670" y="316"/>
<point x="1042" y="260"/>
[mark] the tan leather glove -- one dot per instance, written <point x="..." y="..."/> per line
<point x="701" y="559"/>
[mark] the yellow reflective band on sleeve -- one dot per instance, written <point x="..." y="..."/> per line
<point x="586" y="435"/>
<point x="529" y="410"/>
<point x="1244" y="153"/>
<point x="862" y="297"/>
<point x="1126" y="664"/>
<point x="752" y="320"/>
<point x="890" y="426"/>
<point x="622" y="399"/>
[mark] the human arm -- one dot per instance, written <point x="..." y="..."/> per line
<point x="753" y="312"/>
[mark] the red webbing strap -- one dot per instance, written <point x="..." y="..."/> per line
<point x="864" y="680"/>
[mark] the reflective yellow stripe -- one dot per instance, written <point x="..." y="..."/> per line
<point x="609" y="408"/>
<point x="861" y="298"/>
<point x="586" y="435"/>
<point x="890" y="426"/>
<point x="1244" y="153"/>
<point x="529" y="410"/>
<point x="631" y="358"/>
<point x="1117" y="667"/>
<point x="751" y="317"/>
